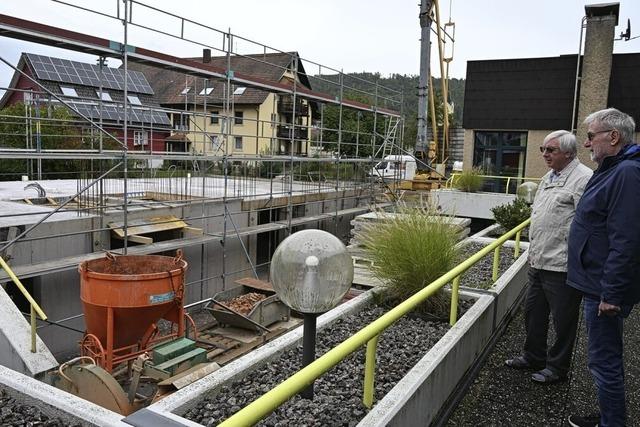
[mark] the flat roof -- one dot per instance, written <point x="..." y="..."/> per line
<point x="16" y="213"/>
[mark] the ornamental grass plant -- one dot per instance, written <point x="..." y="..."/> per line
<point x="410" y="249"/>
<point x="469" y="180"/>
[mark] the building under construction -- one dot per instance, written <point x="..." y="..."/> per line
<point x="219" y="154"/>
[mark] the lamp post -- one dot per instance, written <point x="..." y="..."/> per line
<point x="311" y="271"/>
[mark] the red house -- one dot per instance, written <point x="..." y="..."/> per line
<point x="97" y="92"/>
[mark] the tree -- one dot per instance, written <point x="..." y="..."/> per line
<point x="408" y="85"/>
<point x="27" y="126"/>
<point x="356" y="128"/>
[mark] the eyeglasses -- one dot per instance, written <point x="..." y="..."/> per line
<point x="549" y="150"/>
<point x="591" y="135"/>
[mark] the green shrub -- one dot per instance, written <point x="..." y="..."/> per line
<point x="409" y="250"/>
<point x="469" y="180"/>
<point x="511" y="214"/>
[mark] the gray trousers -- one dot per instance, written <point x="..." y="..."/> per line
<point x="548" y="292"/>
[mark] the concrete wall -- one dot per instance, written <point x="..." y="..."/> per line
<point x="213" y="266"/>
<point x="469" y="205"/>
<point x="58" y="293"/>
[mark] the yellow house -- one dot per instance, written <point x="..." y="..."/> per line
<point x="210" y="118"/>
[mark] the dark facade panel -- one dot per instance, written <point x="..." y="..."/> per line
<point x="520" y="94"/>
<point x="624" y="86"/>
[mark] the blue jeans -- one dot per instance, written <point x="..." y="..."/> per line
<point x="605" y="361"/>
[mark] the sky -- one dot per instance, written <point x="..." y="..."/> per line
<point x="350" y="35"/>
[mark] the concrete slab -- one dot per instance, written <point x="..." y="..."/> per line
<point x="16" y="213"/>
<point x="213" y="187"/>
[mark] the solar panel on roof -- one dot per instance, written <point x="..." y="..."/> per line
<point x="116" y="112"/>
<point x="63" y="70"/>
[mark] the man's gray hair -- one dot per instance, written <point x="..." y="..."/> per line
<point x="566" y="141"/>
<point x="614" y="119"/>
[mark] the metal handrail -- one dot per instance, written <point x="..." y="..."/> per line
<point x="34" y="307"/>
<point x="449" y="183"/>
<point x="268" y="402"/>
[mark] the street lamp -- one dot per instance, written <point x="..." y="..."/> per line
<point x="311" y="271"/>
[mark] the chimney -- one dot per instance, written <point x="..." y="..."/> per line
<point x="596" y="65"/>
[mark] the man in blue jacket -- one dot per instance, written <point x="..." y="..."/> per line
<point x="604" y="256"/>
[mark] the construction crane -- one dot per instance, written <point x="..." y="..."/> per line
<point x="427" y="150"/>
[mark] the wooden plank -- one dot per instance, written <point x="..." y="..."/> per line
<point x="191" y="231"/>
<point x="137" y="239"/>
<point x="255" y="283"/>
<point x="148" y="225"/>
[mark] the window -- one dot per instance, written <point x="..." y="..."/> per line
<point x="69" y="91"/>
<point x="500" y="153"/>
<point x="27" y="97"/>
<point x="180" y="121"/>
<point x="239" y="117"/>
<point x="140" y="138"/>
<point x="134" y="100"/>
<point x="206" y="91"/>
<point x="215" y="117"/>
<point x="273" y="119"/>
<point x="238" y="143"/>
<point x="215" y="142"/>
<point x="105" y="96"/>
<point x="185" y="90"/>
<point x="239" y="90"/>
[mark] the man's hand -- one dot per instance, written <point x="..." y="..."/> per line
<point x="608" y="309"/>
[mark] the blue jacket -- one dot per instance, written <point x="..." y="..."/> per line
<point x="604" y="240"/>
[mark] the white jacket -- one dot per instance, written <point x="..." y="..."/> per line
<point x="552" y="212"/>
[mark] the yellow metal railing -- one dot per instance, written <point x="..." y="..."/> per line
<point x="368" y="335"/>
<point x="35" y="308"/>
<point x="450" y="183"/>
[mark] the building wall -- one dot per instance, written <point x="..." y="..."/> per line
<point x="212" y="266"/>
<point x="535" y="166"/>
<point x="467" y="150"/>
<point x="258" y="129"/>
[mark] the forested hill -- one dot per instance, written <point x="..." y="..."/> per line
<point x="408" y="84"/>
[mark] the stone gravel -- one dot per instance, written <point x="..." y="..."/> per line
<point x="14" y="412"/>
<point x="399" y="348"/>
<point x="479" y="275"/>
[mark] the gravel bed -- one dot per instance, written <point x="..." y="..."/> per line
<point x="14" y="412"/>
<point x="479" y="276"/>
<point x="338" y="393"/>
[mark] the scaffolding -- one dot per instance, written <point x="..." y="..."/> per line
<point x="310" y="163"/>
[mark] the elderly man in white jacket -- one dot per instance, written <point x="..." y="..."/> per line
<point x="553" y="210"/>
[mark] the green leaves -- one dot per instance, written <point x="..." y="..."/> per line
<point x="410" y="249"/>
<point x="511" y="214"/>
<point x="469" y="180"/>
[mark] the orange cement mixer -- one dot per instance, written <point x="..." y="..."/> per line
<point x="123" y="299"/>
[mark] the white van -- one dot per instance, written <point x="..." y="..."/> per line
<point x="395" y="167"/>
